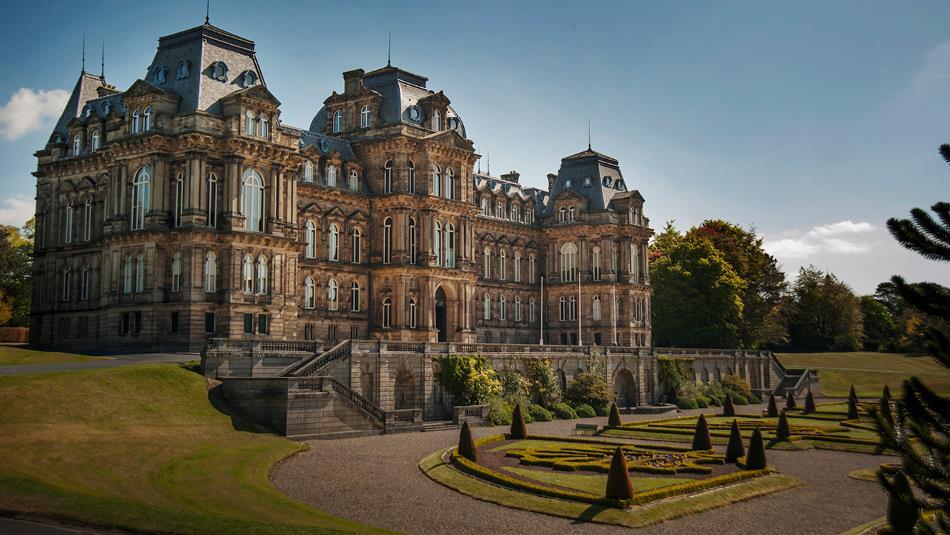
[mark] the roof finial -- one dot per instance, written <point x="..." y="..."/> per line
<point x="588" y="133"/>
<point x="84" y="53"/>
<point x="488" y="158"/>
<point x="389" y="49"/>
<point x="207" y="11"/>
<point x="479" y="162"/>
<point x="102" y="72"/>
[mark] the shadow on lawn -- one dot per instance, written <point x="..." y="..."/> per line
<point x="238" y="421"/>
<point x="588" y="514"/>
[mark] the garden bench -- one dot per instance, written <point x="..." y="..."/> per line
<point x="585" y="429"/>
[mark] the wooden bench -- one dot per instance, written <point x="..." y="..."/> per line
<point x="585" y="429"/>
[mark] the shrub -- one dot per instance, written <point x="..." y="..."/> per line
<point x="755" y="460"/>
<point x="584" y="410"/>
<point x="772" y="410"/>
<point x="514" y="386"/>
<point x="809" y="402"/>
<point x="590" y="389"/>
<point x="466" y="444"/>
<point x="902" y="512"/>
<point x="671" y="373"/>
<point x="886" y="394"/>
<point x="736" y="385"/>
<point x="790" y="401"/>
<point x="782" y="430"/>
<point x="619" y="486"/>
<point x="518" y="427"/>
<point x="539" y="413"/>
<point x="499" y="412"/>
<point x="853" y="408"/>
<point x="728" y="409"/>
<point x="739" y="399"/>
<point x="734" y="450"/>
<point x="714" y="393"/>
<point x="702" y="401"/>
<point x="852" y="394"/>
<point x="685" y="403"/>
<point x="614" y="419"/>
<point x="563" y="411"/>
<point x="754" y="399"/>
<point x="701" y="438"/>
<point x="544" y="388"/>
<point x="600" y="409"/>
<point x="469" y="379"/>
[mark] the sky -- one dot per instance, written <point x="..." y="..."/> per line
<point x="812" y="122"/>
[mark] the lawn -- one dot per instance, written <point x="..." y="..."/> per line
<point x="868" y="371"/>
<point x="142" y="448"/>
<point x="14" y="356"/>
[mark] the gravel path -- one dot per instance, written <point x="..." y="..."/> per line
<point x="375" y="480"/>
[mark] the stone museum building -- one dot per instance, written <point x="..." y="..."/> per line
<point x="182" y="208"/>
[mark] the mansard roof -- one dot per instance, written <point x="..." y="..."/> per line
<point x="323" y="144"/>
<point x="88" y="88"/>
<point x="592" y="175"/>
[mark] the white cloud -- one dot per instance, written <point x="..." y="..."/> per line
<point x="29" y="110"/>
<point x="837" y="245"/>
<point x="16" y="210"/>
<point x="790" y="248"/>
<point x="842" y="227"/>
<point x="834" y="238"/>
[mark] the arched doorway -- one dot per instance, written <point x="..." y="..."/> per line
<point x="625" y="389"/>
<point x="441" y="319"/>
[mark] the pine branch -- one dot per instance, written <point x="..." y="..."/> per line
<point x="912" y="238"/>
<point x="926" y="297"/>
<point x="928" y="226"/>
<point x="942" y="210"/>
<point x="945" y="152"/>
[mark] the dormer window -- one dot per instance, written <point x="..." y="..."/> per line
<point x="337" y="122"/>
<point x="567" y="183"/>
<point x="219" y="71"/>
<point x="105" y="109"/>
<point x="248" y="79"/>
<point x="95" y="140"/>
<point x="184" y="69"/>
<point x="587" y="182"/>
<point x="159" y="75"/>
<point x="608" y="181"/>
<point x="437" y="121"/>
<point x="77" y="145"/>
<point x="619" y="186"/>
<point x="364" y="117"/>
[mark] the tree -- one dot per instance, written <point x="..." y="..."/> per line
<point x="619" y="486"/>
<point x="544" y="388"/>
<point x="590" y="389"/>
<point x="665" y="241"/>
<point x="764" y="284"/>
<point x="696" y="300"/>
<point x="880" y="330"/>
<point x="16" y="272"/>
<point x="469" y="379"/>
<point x="467" y="444"/>
<point x="916" y="427"/>
<point x="824" y="314"/>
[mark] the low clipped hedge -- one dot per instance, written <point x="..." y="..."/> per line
<point x="583" y="410"/>
<point x="537" y="413"/>
<point x="564" y="411"/>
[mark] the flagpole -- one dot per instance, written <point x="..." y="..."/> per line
<point x="578" y="310"/>
<point x="541" y="342"/>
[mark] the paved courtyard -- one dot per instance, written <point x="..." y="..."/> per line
<point x="376" y="480"/>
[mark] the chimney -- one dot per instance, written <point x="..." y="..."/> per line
<point x="511" y="176"/>
<point x="352" y="81"/>
<point x="552" y="178"/>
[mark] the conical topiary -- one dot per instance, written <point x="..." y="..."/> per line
<point x="790" y="401"/>
<point x="467" y="443"/>
<point x="734" y="450"/>
<point x="755" y="460"/>
<point x="619" y="486"/>
<point x="772" y="411"/>
<point x="902" y="513"/>
<point x="613" y="419"/>
<point x="782" y="430"/>
<point x="886" y="394"/>
<point x="701" y="438"/>
<point x="728" y="407"/>
<point x="518" y="427"/>
<point x="853" y="408"/>
<point x="810" y="402"/>
<point x="852" y="394"/>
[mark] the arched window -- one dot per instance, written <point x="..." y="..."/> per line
<point x="531" y="310"/>
<point x="388" y="177"/>
<point x="211" y="272"/>
<point x="514" y="212"/>
<point x="364" y="117"/>
<point x="387" y="313"/>
<point x="253" y="201"/>
<point x="355" y="297"/>
<point x="249" y="123"/>
<point x="334" y="252"/>
<point x="562" y="308"/>
<point x="449" y="183"/>
<point x="411" y="168"/>
<point x="449" y="245"/>
<point x="331" y="176"/>
<point x="436" y="180"/>
<point x="437" y="120"/>
<point x="68" y="238"/>
<point x="499" y="210"/>
<point x="502" y="308"/>
<point x="147" y="119"/>
<point x="84" y="283"/>
<point x="139" y="273"/>
<point x="176" y="273"/>
<point x="333" y="295"/>
<point x="595" y="308"/>
<point x="517" y="267"/>
<point x="87" y="220"/>
<point x="77" y="145"/>
<point x="309" y="299"/>
<point x="355" y="252"/>
<point x="486" y="262"/>
<point x="437" y="243"/>
<point x="387" y="240"/>
<point x="311" y="238"/>
<point x="179" y="198"/>
<point x="573" y="308"/>
<point x="595" y="262"/>
<point x="486" y="307"/>
<point x="562" y="215"/>
<point x="95" y="140"/>
<point x="141" y="192"/>
<point x="248" y="274"/>
<point x="531" y="268"/>
<point x="136" y="122"/>
<point x="354" y="181"/>
<point x="262" y="125"/>
<point x="212" y="200"/>
<point x="66" y="283"/>
<point x="308" y="171"/>
<point x="502" y="265"/>
<point x="517" y="309"/>
<point x="337" y="122"/>
<point x="412" y="313"/>
<point x="413" y="255"/>
<point x="127" y="275"/>
<point x="568" y="262"/>
<point x="572" y="212"/>
<point x="485" y="207"/>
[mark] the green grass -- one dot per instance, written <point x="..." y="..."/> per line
<point x="142" y="448"/>
<point x="868" y="371"/>
<point x="15" y="356"/>
<point x="589" y="483"/>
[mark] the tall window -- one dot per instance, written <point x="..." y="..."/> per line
<point x="517" y="309"/>
<point x="95" y="140"/>
<point x="211" y="272"/>
<point x="562" y="308"/>
<point x="437" y="243"/>
<point x="568" y="262"/>
<point x="387" y="240"/>
<point x="334" y="253"/>
<point x="333" y="295"/>
<point x="449" y="245"/>
<point x="139" y="273"/>
<point x="486" y="263"/>
<point x="354" y="181"/>
<point x="436" y="180"/>
<point x="531" y="310"/>
<point x="249" y="123"/>
<point x="411" y="188"/>
<point x="141" y="192"/>
<point x="517" y="267"/>
<point x="69" y="223"/>
<point x="502" y="265"/>
<point x="355" y="252"/>
<point x="562" y="215"/>
<point x="355" y="297"/>
<point x="595" y="308"/>
<point x="437" y="120"/>
<point x="127" y="275"/>
<point x="573" y="308"/>
<point x="412" y="241"/>
<point x="261" y="275"/>
<point x="571" y="213"/>
<point x="486" y="307"/>
<point x="499" y="210"/>
<point x="388" y="177"/>
<point x="308" y="171"/>
<point x="635" y="262"/>
<point x="176" y="273"/>
<point x="311" y="238"/>
<point x="595" y="263"/>
<point x="253" y="201"/>
<point x="531" y="268"/>
<point x="364" y="117"/>
<point x="136" y="122"/>
<point x="179" y="198"/>
<point x="248" y="274"/>
<point x="147" y="119"/>
<point x="502" y="308"/>
<point x="337" y="122"/>
<point x="212" y="200"/>
<point x="262" y="125"/>
<point x="449" y="183"/>
<point x="387" y="312"/>
<point x="309" y="297"/>
<point x="412" y="313"/>
<point x="331" y="176"/>
<point x="66" y="283"/>
<point x="84" y="283"/>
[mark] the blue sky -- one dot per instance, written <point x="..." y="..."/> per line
<point x="811" y="121"/>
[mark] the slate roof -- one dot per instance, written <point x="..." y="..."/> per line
<point x="323" y="143"/>
<point x="592" y="175"/>
<point x="86" y="90"/>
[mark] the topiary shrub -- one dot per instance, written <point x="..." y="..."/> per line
<point x="619" y="486"/>
<point x="902" y="512"/>
<point x="499" y="412"/>
<point x="728" y="409"/>
<point x="852" y="394"/>
<point x="685" y="403"/>
<point x="701" y="438"/>
<point x="740" y="399"/>
<point x="886" y="394"/>
<point x="734" y="450"/>
<point x="782" y="430"/>
<point x="809" y="402"/>
<point x="790" y="401"/>
<point x="563" y="411"/>
<point x="853" y="408"/>
<point x="755" y="460"/>
<point x="772" y="409"/>
<point x="614" y="419"/>
<point x="467" y="444"/>
<point x="584" y="410"/>
<point x="539" y="413"/>
<point x="518" y="427"/>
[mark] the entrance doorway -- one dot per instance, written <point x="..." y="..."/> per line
<point x="440" y="316"/>
<point x="625" y="389"/>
